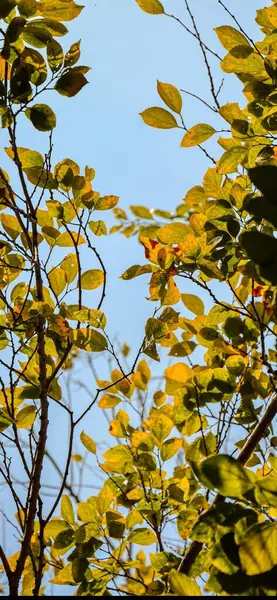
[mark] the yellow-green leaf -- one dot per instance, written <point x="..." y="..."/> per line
<point x="230" y="159"/>
<point x="173" y="233"/>
<point x="25" y="417"/>
<point x="154" y="7"/>
<point x="170" y="447"/>
<point x="98" y="228"/>
<point x="159" y="117"/>
<point x="60" y="10"/>
<point x="57" y="280"/>
<point x="67" y="512"/>
<point x="257" y="552"/>
<point x="197" y="134"/>
<point x="182" y="585"/>
<point x="142" y="536"/>
<point x="92" y="279"/>
<point x="193" y="303"/>
<point x="88" y="442"/>
<point x="170" y="95"/>
<point x="230" y="37"/>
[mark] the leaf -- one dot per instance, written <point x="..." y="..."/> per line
<point x="137" y="270"/>
<point x="6" y="7"/>
<point x="55" y="55"/>
<point x="260" y="207"/>
<point x="193" y="303"/>
<point x="57" y="280"/>
<point x="92" y="279"/>
<point x="89" y="340"/>
<point x="159" y="117"/>
<point x="230" y="159"/>
<point x="109" y="401"/>
<point x="154" y="7"/>
<point x="230" y="37"/>
<point x="257" y="552"/>
<point x="67" y="512"/>
<point x="182" y="585"/>
<point x="141" y="211"/>
<point x="118" y="456"/>
<point x="88" y="442"/>
<point x="142" y="536"/>
<point x="160" y="425"/>
<point x="61" y="10"/>
<point x="106" y="202"/>
<point x="42" y="117"/>
<point x="65" y="239"/>
<point x="242" y="59"/>
<point x="11" y="226"/>
<point x="41" y="178"/>
<point x="5" y="420"/>
<point x="25" y="417"/>
<point x="98" y="228"/>
<point x="73" y="55"/>
<point x="197" y="134"/>
<point x="64" y="576"/>
<point x="265" y="179"/>
<point x="170" y="447"/>
<point x="173" y="233"/>
<point x="70" y="83"/>
<point x="170" y="95"/>
<point x="262" y="250"/>
<point x="227" y="475"/>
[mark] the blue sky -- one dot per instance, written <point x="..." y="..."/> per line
<point x="128" y="50"/>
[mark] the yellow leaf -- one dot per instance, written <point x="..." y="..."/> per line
<point x="176" y="377"/>
<point x="159" y="118"/>
<point x="25" y="417"/>
<point x="92" y="279"/>
<point x="66" y="239"/>
<point x="230" y="37"/>
<point x="154" y="7"/>
<point x="230" y="160"/>
<point x="182" y="585"/>
<point x="109" y="401"/>
<point x="57" y="280"/>
<point x="193" y="303"/>
<point x="196" y="135"/>
<point x="170" y="95"/>
<point x="173" y="233"/>
<point x="88" y="442"/>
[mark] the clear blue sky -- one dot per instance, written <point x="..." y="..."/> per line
<point x="128" y="50"/>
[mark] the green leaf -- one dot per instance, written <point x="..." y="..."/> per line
<point x="227" y="475"/>
<point x="170" y="95"/>
<point x="88" y="442"/>
<point x="193" y="303"/>
<point x="154" y="7"/>
<point x="55" y="55"/>
<point x="70" y="83"/>
<point x="260" y="207"/>
<point x="67" y="512"/>
<point x="262" y="250"/>
<point x="258" y="550"/>
<point x="142" y="536"/>
<point x="230" y="159"/>
<point x="61" y="10"/>
<point x="197" y="134"/>
<point x="158" y="117"/>
<point x="25" y="417"/>
<point x="182" y="585"/>
<point x="92" y="279"/>
<point x="265" y="179"/>
<point x="6" y="7"/>
<point x="98" y="228"/>
<point x="230" y="37"/>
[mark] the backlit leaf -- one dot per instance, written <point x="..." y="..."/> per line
<point x="154" y="7"/>
<point x="159" y="117"/>
<point x="88" y="442"/>
<point x="196" y="135"/>
<point x="92" y="279"/>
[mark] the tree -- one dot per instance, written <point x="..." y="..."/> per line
<point x="170" y="470"/>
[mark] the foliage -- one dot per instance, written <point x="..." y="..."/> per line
<point x="220" y="505"/>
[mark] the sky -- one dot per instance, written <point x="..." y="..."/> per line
<point x="128" y="50"/>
